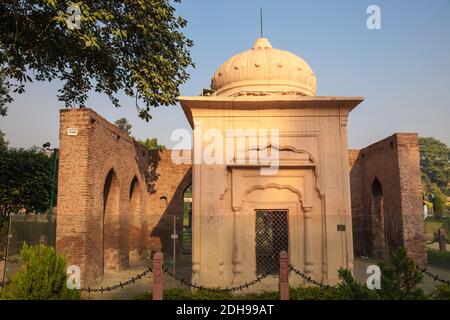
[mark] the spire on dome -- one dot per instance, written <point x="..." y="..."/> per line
<point x="262" y="43"/>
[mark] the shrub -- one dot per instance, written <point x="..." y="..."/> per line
<point x="185" y="294"/>
<point x="314" y="293"/>
<point x="400" y="277"/>
<point x="301" y="293"/>
<point x="442" y="292"/>
<point x="438" y="258"/>
<point x="42" y="276"/>
<point x="350" y="289"/>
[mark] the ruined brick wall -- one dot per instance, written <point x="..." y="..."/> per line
<point x="166" y="203"/>
<point x="117" y="201"/>
<point x="109" y="190"/>
<point x="360" y="226"/>
<point x="393" y="163"/>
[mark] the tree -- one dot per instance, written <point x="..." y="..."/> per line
<point x="106" y="45"/>
<point x="152" y="144"/>
<point x="25" y="181"/>
<point x="123" y="124"/>
<point x="3" y="141"/>
<point x="4" y="95"/>
<point x="434" y="156"/>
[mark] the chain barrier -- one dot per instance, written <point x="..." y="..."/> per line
<point x="308" y="278"/>
<point x="216" y="290"/>
<point x="121" y="285"/>
<point x="245" y="285"/>
<point x="433" y="276"/>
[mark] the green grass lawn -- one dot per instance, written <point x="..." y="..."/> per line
<point x="432" y="226"/>
<point x="439" y="259"/>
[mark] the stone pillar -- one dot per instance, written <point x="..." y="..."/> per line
<point x="158" y="276"/>
<point x="441" y="239"/>
<point x="309" y="262"/>
<point x="284" y="276"/>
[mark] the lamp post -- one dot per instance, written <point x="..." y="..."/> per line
<point x="46" y="146"/>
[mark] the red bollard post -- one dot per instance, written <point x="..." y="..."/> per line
<point x="441" y="239"/>
<point x="284" y="276"/>
<point x="157" y="276"/>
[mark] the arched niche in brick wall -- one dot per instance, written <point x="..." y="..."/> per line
<point x="111" y="222"/>
<point x="135" y="232"/>
<point x="377" y="220"/>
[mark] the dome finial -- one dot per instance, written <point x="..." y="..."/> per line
<point x="262" y="43"/>
<point x="261" y="23"/>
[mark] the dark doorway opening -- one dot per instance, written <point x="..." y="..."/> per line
<point x="379" y="244"/>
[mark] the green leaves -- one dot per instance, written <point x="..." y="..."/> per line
<point x="136" y="46"/>
<point x="435" y="161"/>
<point x="400" y="277"/>
<point x="42" y="276"/>
<point x="152" y="144"/>
<point x="124" y="125"/>
<point x="25" y="180"/>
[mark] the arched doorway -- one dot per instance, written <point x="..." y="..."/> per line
<point x="111" y="222"/>
<point x="135" y="223"/>
<point x="379" y="244"/>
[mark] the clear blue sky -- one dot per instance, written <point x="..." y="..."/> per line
<point x="402" y="70"/>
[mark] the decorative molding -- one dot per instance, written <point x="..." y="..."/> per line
<point x="285" y="163"/>
<point x="268" y="186"/>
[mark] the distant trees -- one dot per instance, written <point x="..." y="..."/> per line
<point x="25" y="181"/>
<point x="123" y="124"/>
<point x="435" y="170"/>
<point x="149" y="143"/>
<point x="434" y="156"/>
<point x="3" y="141"/>
<point x="152" y="144"/>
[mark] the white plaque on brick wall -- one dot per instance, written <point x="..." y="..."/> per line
<point x="72" y="132"/>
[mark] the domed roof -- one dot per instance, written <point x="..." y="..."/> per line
<point x="264" y="70"/>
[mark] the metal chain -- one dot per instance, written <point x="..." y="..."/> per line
<point x="308" y="278"/>
<point x="433" y="276"/>
<point x="120" y="285"/>
<point x="217" y="290"/>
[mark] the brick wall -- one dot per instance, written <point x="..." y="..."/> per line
<point x="109" y="190"/>
<point x="117" y="201"/>
<point x="394" y="162"/>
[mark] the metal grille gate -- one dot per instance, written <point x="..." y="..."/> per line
<point x="271" y="238"/>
